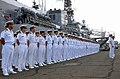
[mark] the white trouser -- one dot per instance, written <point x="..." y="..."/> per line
<point x="37" y="56"/>
<point x="111" y="52"/>
<point x="32" y="54"/>
<point x="15" y="57"/>
<point x="55" y="52"/>
<point x="65" y="54"/>
<point x="49" y="53"/>
<point x="60" y="51"/>
<point x="41" y="54"/>
<point x="7" y="57"/>
<point x="23" y="50"/>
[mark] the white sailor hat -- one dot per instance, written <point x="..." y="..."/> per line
<point x="32" y="26"/>
<point x="23" y="26"/>
<point x="55" y="30"/>
<point x="10" y="21"/>
<point x="60" y="32"/>
<point x="69" y="34"/>
<point x="49" y="30"/>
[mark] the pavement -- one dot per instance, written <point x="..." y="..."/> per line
<point x="97" y="66"/>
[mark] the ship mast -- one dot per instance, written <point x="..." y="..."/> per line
<point x="68" y="9"/>
<point x="41" y="5"/>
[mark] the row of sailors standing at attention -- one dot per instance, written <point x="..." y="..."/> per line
<point x="30" y="50"/>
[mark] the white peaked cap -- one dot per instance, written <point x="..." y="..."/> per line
<point x="49" y="30"/>
<point x="60" y="32"/>
<point x="23" y="26"/>
<point x="10" y="21"/>
<point x="32" y="26"/>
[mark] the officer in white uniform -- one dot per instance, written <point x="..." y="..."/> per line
<point x="65" y="43"/>
<point x="60" y="47"/>
<point x="42" y="49"/>
<point x="73" y="47"/>
<point x="37" y="34"/>
<point x="15" y="56"/>
<point x="70" y="47"/>
<point x="22" y="48"/>
<point x="112" y="47"/>
<point x="55" y="46"/>
<point x="32" y="47"/>
<point x="7" y="39"/>
<point x="49" y="42"/>
<point x="27" y="60"/>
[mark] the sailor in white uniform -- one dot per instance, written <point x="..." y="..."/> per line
<point x="112" y="47"/>
<point x="7" y="39"/>
<point x="70" y="47"/>
<point x="65" y="43"/>
<point x="22" y="48"/>
<point x="42" y="49"/>
<point x="15" y="56"/>
<point x="32" y="47"/>
<point x="49" y="42"/>
<point x="55" y="46"/>
<point x="37" y="37"/>
<point x="60" y="47"/>
<point x="27" y="60"/>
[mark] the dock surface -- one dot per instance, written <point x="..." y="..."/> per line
<point x="97" y="66"/>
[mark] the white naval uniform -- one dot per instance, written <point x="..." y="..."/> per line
<point x="49" y="49"/>
<point x="69" y="50"/>
<point x="60" y="48"/>
<point x="32" y="49"/>
<point x="112" y="49"/>
<point x="42" y="50"/>
<point x="55" y="48"/>
<point x="37" y="53"/>
<point x="65" y="48"/>
<point x="22" y="50"/>
<point x="7" y="51"/>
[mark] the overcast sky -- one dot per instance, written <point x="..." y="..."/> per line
<point x="97" y="13"/>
